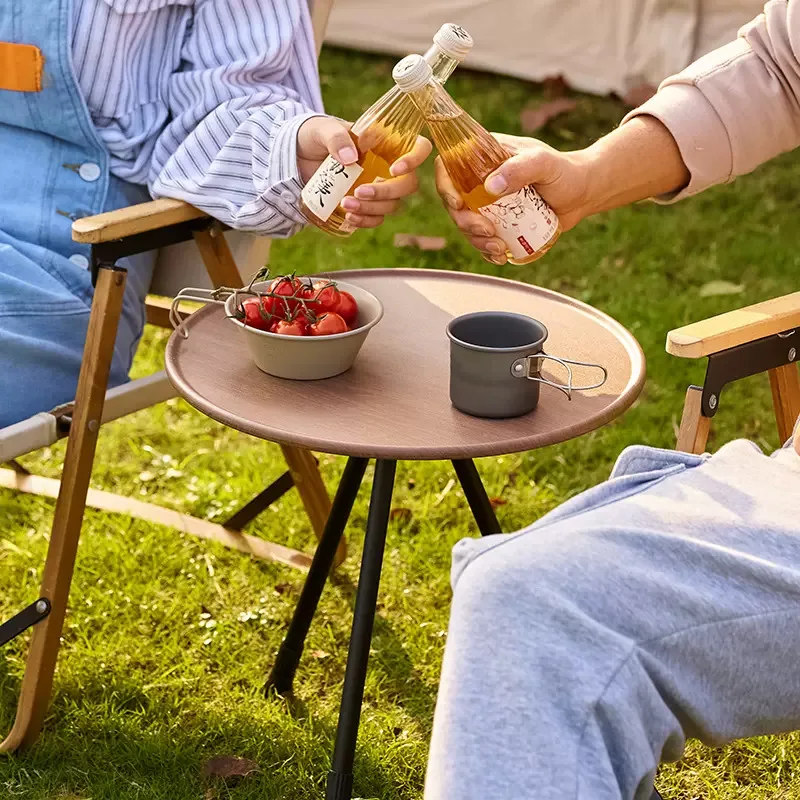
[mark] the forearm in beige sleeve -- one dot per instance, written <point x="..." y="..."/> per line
<point x="737" y="107"/>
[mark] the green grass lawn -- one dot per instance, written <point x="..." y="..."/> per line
<point x="169" y="639"/>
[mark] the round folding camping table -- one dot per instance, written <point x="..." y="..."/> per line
<point x="394" y="404"/>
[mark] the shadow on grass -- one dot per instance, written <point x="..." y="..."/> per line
<point x="390" y="657"/>
<point x="94" y="755"/>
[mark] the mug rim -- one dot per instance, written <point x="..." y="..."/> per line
<point x="482" y="348"/>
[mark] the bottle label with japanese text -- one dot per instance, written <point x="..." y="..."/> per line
<point x="328" y="185"/>
<point x="523" y="221"/>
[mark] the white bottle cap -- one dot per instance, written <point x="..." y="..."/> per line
<point x="453" y="41"/>
<point x="412" y="73"/>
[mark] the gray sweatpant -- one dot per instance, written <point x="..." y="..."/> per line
<point x="583" y="650"/>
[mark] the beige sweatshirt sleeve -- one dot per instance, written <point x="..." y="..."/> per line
<point x="738" y="106"/>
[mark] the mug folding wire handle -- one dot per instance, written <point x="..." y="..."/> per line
<point x="197" y="295"/>
<point x="524" y="368"/>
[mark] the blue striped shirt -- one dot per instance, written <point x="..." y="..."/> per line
<point x="202" y="100"/>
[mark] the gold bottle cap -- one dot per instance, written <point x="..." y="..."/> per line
<point x="412" y="73"/>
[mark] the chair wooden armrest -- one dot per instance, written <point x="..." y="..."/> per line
<point x="159" y="215"/>
<point x="735" y="327"/>
<point x="133" y="219"/>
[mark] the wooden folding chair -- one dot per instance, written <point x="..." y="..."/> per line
<point x="180" y="233"/>
<point x="761" y="338"/>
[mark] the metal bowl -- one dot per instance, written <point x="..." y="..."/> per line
<point x="311" y="358"/>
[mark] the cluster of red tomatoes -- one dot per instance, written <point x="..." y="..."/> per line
<point x="300" y="307"/>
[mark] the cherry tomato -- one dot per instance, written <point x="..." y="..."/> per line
<point x="348" y="308"/>
<point x="327" y="325"/>
<point x="308" y="289"/>
<point x="253" y="317"/>
<point x="325" y="298"/>
<point x="295" y="327"/>
<point x="290" y="288"/>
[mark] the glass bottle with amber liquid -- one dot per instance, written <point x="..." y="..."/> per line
<point x="523" y="220"/>
<point x="383" y="133"/>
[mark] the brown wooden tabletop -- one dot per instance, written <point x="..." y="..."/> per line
<point x="394" y="402"/>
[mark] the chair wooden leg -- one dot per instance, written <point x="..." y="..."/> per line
<point x="40" y="667"/>
<point x="693" y="434"/>
<point x="315" y="497"/>
<point x="217" y="257"/>
<point x="785" y="383"/>
<point x="223" y="271"/>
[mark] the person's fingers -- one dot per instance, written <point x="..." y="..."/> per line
<point x="392" y="189"/>
<point x="491" y="246"/>
<point x="370" y="208"/>
<point x="536" y="165"/>
<point x="411" y="160"/>
<point x="492" y="259"/>
<point x="471" y="223"/>
<point x="361" y="221"/>
<point x="327" y="134"/>
<point x="445" y="187"/>
<point x="516" y="144"/>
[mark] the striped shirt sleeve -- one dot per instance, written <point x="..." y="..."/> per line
<point x="248" y="81"/>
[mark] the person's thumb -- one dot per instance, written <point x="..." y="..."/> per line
<point x="331" y="134"/>
<point x="536" y="165"/>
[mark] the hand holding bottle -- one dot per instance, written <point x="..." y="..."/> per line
<point x="522" y="219"/>
<point x="561" y="179"/>
<point x="636" y="161"/>
<point x="319" y="137"/>
<point x="354" y="184"/>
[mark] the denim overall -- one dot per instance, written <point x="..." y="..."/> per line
<point x="53" y="170"/>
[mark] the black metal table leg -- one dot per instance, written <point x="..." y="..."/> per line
<point x="476" y="496"/>
<point x="340" y="778"/>
<point x="656" y="795"/>
<point x="282" y="675"/>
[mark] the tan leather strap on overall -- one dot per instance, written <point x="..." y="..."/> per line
<point x="20" y="67"/>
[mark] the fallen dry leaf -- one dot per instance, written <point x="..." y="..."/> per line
<point x="639" y="94"/>
<point x="536" y="117"/>
<point x="496" y="502"/>
<point x="403" y="514"/>
<point x="554" y="86"/>
<point x="420" y="242"/>
<point x="229" y="767"/>
<point x="716" y="288"/>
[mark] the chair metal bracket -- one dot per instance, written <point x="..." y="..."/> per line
<point x="27" y="618"/>
<point x="106" y="254"/>
<point x="745" y="360"/>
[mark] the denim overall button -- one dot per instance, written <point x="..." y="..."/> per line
<point x="89" y="171"/>
<point x="80" y="260"/>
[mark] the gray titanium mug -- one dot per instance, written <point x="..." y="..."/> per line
<point x="495" y="364"/>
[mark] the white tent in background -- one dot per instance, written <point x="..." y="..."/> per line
<point x="598" y="46"/>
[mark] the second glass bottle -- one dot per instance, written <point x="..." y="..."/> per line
<point x="524" y="221"/>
